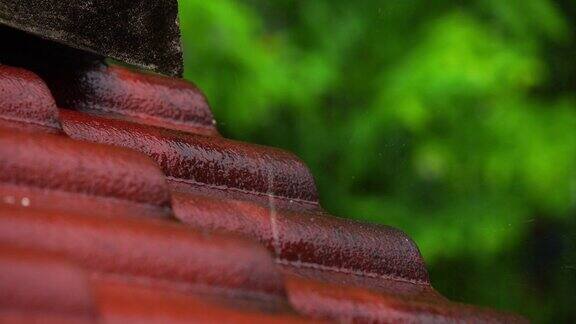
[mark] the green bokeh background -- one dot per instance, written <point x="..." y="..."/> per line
<point x="452" y="120"/>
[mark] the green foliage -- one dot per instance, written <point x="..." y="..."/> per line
<point x="455" y="122"/>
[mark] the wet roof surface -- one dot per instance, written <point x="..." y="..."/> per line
<point x="119" y="201"/>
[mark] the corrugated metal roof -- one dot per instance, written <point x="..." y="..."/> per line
<point x="119" y="201"/>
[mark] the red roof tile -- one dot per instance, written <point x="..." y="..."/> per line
<point x="147" y="99"/>
<point x="194" y="162"/>
<point x="144" y="198"/>
<point x="75" y="175"/>
<point x="26" y="102"/>
<point x="313" y="240"/>
<point x="120" y="303"/>
<point x="36" y="287"/>
<point x="163" y="253"/>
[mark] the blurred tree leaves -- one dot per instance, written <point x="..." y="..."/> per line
<point x="454" y="121"/>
